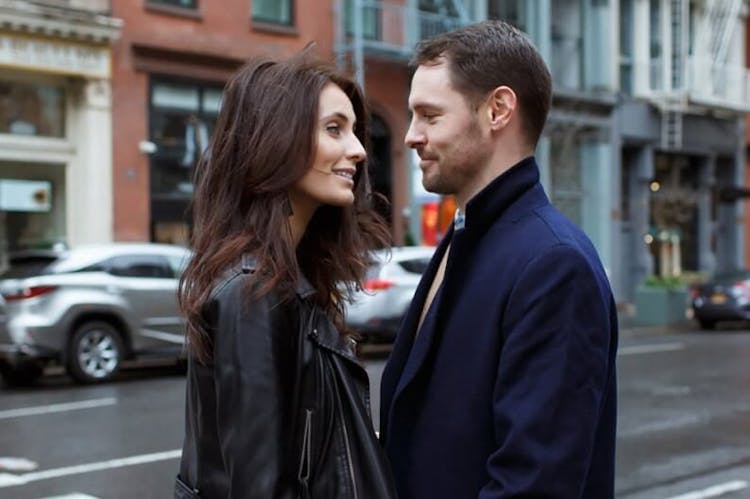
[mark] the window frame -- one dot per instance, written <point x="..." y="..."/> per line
<point x="112" y="263"/>
<point x="275" y="23"/>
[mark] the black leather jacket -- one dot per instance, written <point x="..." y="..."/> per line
<point x="283" y="411"/>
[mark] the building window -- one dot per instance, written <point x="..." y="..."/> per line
<point x="513" y="12"/>
<point x="436" y="17"/>
<point x="184" y="4"/>
<point x="626" y="46"/>
<point x="273" y="11"/>
<point x="182" y="116"/>
<point x="567" y="44"/>
<point x="371" y="21"/>
<point x="32" y="109"/>
<point x="655" y="45"/>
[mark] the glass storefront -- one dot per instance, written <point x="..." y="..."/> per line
<point x="36" y="222"/>
<point x="182" y="116"/>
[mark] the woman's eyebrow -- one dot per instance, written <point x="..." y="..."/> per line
<point x="338" y="115"/>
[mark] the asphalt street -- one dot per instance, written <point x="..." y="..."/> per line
<point x="683" y="433"/>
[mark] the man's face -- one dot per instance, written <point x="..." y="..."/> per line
<point x="445" y="132"/>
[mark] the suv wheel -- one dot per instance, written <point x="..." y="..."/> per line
<point x="24" y="374"/>
<point x="95" y="352"/>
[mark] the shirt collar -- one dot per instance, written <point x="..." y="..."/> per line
<point x="459" y="220"/>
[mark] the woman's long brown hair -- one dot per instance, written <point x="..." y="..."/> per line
<point x="263" y="142"/>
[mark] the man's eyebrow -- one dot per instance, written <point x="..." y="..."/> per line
<point x="422" y="106"/>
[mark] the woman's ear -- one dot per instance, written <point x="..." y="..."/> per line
<point x="501" y="107"/>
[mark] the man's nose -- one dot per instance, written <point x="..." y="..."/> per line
<point x="414" y="137"/>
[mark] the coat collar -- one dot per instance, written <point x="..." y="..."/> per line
<point x="497" y="196"/>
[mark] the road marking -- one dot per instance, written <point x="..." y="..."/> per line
<point x="17" y="464"/>
<point x="656" y="347"/>
<point x="10" y="480"/>
<point x="661" y="426"/>
<point x="714" y="491"/>
<point x="74" y="495"/>
<point x="48" y="409"/>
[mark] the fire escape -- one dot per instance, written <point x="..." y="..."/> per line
<point x="714" y="35"/>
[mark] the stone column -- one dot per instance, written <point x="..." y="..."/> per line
<point x="89" y="174"/>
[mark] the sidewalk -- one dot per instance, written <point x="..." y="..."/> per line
<point x="628" y="330"/>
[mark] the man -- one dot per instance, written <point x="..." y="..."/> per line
<point x="501" y="382"/>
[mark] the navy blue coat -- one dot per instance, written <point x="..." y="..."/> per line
<point x="510" y="391"/>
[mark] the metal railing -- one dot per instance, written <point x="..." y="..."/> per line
<point x="391" y="26"/>
<point x="706" y="83"/>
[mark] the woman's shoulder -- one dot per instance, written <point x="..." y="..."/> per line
<point x="234" y="277"/>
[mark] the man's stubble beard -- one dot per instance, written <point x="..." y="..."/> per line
<point x="451" y="173"/>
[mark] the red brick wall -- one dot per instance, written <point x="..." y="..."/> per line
<point x="223" y="30"/>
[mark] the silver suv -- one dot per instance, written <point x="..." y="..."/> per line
<point x="89" y="309"/>
<point x="376" y="312"/>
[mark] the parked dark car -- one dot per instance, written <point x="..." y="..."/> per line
<point x="88" y="309"/>
<point x="726" y="297"/>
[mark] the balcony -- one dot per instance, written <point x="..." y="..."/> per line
<point x="706" y="84"/>
<point x="719" y="86"/>
<point x="391" y="29"/>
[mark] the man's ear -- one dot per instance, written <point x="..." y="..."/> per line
<point x="501" y="107"/>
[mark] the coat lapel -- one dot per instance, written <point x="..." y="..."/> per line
<point x="407" y="355"/>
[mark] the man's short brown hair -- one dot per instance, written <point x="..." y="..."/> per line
<point x="490" y="54"/>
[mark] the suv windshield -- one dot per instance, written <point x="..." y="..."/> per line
<point x="28" y="266"/>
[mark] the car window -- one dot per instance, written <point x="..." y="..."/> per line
<point x="415" y="266"/>
<point x="140" y="266"/>
<point x="178" y="263"/>
<point x="373" y="271"/>
<point x="28" y="266"/>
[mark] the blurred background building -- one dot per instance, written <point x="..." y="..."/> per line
<point x="55" y="122"/>
<point x="645" y="146"/>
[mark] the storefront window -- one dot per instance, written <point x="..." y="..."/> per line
<point x="32" y="206"/>
<point x="31" y="109"/>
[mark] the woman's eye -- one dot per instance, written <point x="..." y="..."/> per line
<point x="333" y="129"/>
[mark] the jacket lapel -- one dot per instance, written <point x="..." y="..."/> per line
<point x="407" y="355"/>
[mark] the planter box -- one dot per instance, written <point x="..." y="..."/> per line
<point x="657" y="306"/>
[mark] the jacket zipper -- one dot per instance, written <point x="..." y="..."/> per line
<point x="303" y="475"/>
<point x="348" y="451"/>
<point x="347" y="448"/>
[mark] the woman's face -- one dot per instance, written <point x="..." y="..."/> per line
<point x="330" y="181"/>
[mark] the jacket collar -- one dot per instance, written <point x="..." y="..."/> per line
<point x="489" y="203"/>
<point x="304" y="289"/>
<point x="323" y="332"/>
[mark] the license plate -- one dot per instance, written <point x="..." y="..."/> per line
<point x="718" y="298"/>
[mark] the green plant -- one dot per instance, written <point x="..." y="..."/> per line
<point x="682" y="281"/>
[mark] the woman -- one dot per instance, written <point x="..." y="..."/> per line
<point x="277" y="404"/>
